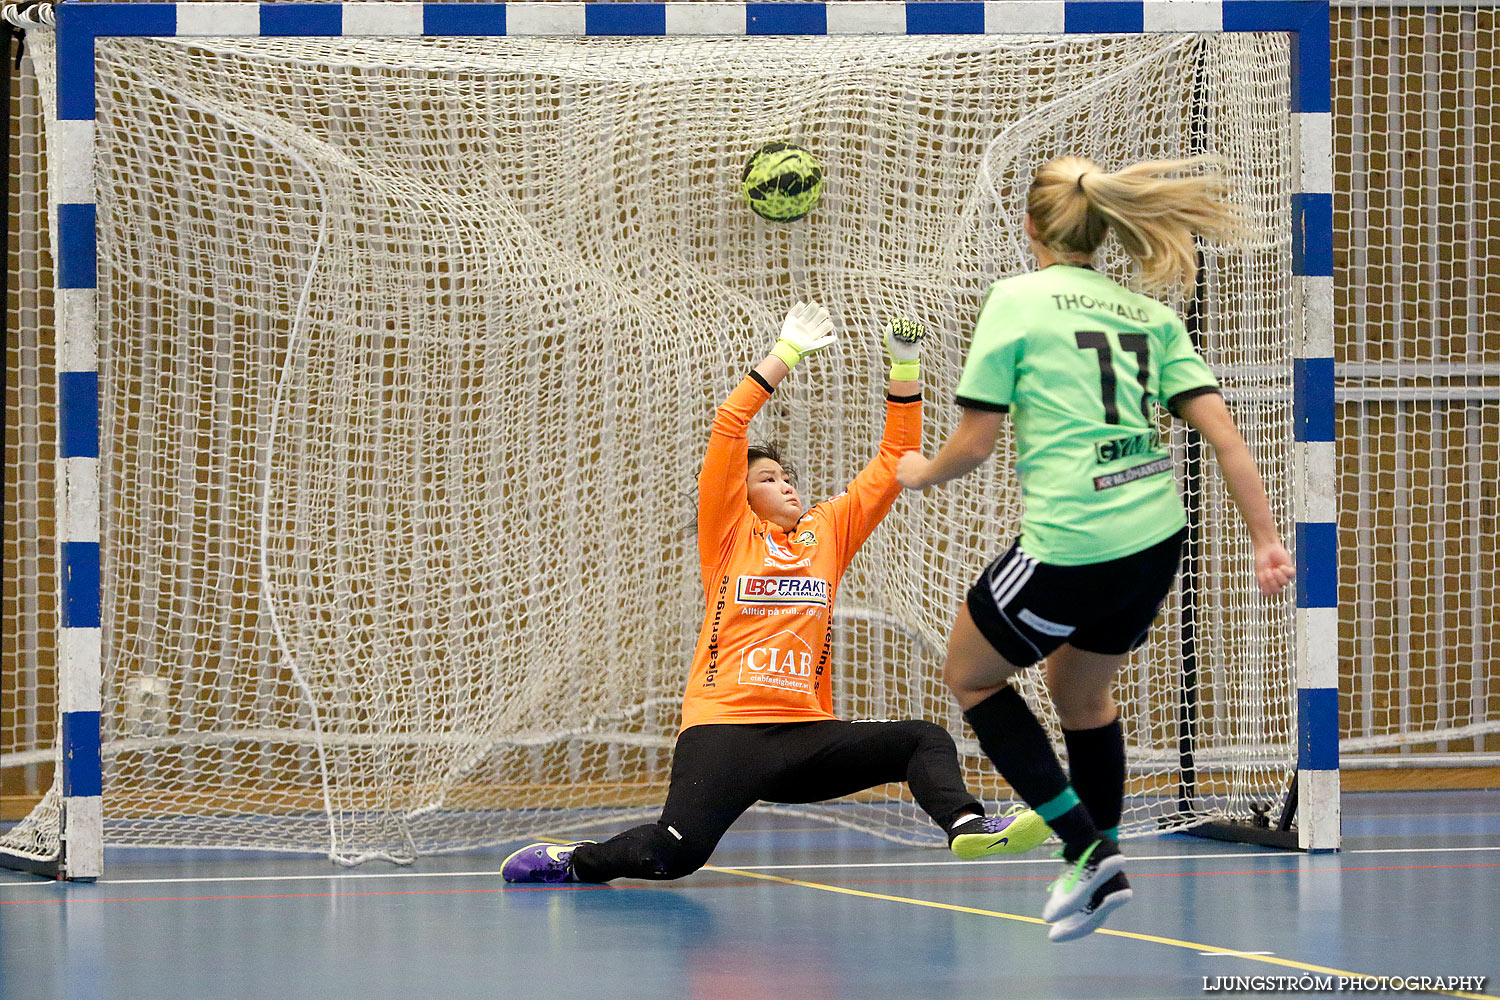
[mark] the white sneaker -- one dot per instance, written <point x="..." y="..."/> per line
<point x="1112" y="895"/>
<point x="1074" y="887"/>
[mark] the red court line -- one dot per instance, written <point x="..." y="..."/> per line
<point x="575" y="887"/>
<point x="1317" y="871"/>
<point x="578" y="887"/>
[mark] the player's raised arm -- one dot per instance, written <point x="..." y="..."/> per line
<point x="967" y="448"/>
<point x="1208" y="415"/>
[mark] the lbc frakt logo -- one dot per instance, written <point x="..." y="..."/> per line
<point x="782" y="661"/>
<point x="782" y="590"/>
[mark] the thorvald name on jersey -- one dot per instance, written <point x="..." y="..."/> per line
<point x="782" y="590"/>
<point x="1133" y="313"/>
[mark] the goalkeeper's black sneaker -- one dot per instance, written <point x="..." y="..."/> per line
<point x="1016" y="832"/>
<point x="1112" y="895"/>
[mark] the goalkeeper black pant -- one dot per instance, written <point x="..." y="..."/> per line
<point x="719" y="771"/>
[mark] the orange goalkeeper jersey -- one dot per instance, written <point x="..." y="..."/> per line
<point x="763" y="652"/>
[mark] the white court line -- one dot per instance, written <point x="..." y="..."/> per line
<point x="1409" y="850"/>
<point x="1133" y="858"/>
<point x="257" y="878"/>
<point x="850" y="866"/>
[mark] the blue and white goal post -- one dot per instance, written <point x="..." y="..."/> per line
<point x="79" y="25"/>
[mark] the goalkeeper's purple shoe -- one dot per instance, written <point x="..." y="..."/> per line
<point x="1016" y="832"/>
<point x="542" y="863"/>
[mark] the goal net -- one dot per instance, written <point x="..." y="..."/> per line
<point x="408" y="353"/>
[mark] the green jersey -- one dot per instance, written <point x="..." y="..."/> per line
<point x="1078" y="361"/>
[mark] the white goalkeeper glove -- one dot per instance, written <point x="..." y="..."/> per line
<point x="808" y="329"/>
<point x="903" y="345"/>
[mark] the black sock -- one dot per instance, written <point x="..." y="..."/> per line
<point x="1015" y="742"/>
<point x="1096" y="763"/>
<point x="1017" y="745"/>
<point x="1077" y="829"/>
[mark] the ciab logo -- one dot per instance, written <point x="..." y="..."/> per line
<point x="783" y="660"/>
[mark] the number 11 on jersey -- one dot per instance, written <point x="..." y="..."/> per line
<point x="1135" y="343"/>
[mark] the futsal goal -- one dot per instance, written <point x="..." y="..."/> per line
<point x="385" y="339"/>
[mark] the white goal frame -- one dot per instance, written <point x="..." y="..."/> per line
<point x="79" y="24"/>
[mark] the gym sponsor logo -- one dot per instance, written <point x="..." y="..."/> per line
<point x="783" y="661"/>
<point x="1131" y="446"/>
<point x="782" y="590"/>
<point x="1341" y="984"/>
<point x="1133" y="473"/>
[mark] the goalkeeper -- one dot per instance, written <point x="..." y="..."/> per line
<point x="757" y="719"/>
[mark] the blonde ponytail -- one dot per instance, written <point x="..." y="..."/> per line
<point x="1074" y="204"/>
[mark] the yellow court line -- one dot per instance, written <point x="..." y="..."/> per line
<point x="1268" y="959"/>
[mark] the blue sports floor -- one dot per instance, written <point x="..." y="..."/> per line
<point x="789" y="910"/>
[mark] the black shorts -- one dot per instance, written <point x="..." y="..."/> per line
<point x="1026" y="608"/>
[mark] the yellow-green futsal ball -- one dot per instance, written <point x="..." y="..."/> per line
<point x="782" y="181"/>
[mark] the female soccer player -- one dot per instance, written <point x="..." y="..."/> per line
<point x="1077" y="361"/>
<point x="757" y="719"/>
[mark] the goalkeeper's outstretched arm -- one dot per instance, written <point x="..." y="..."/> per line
<point x="903" y="345"/>
<point x="868" y="499"/>
<point x="722" y="489"/>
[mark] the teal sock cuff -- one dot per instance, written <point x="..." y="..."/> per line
<point x="1049" y="811"/>
<point x="1113" y="833"/>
